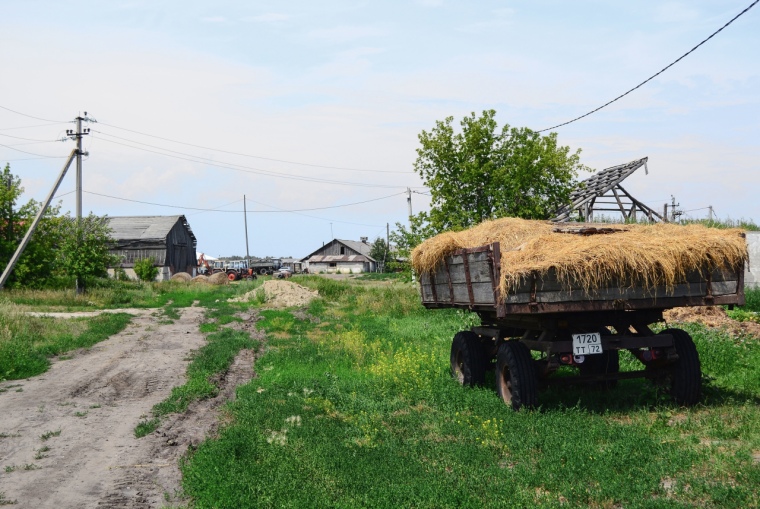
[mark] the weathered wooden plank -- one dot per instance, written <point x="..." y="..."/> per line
<point x="606" y="294"/>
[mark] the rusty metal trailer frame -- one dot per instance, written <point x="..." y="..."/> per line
<point x="547" y="327"/>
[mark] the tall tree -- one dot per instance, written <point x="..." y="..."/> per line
<point x="380" y="253"/>
<point x="482" y="172"/>
<point x="37" y="262"/>
<point x="83" y="251"/>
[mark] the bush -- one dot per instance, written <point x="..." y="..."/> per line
<point x="145" y="269"/>
<point x="119" y="274"/>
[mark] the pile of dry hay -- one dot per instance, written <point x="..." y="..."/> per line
<point x="639" y="255"/>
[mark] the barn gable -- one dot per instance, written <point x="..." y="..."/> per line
<point x="168" y="240"/>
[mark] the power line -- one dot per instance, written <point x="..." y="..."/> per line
<point x="30" y="153"/>
<point x="656" y="74"/>
<point x="238" y="211"/>
<point x="31" y="126"/>
<point x="250" y="155"/>
<point x="32" y="116"/>
<point x="256" y="171"/>
<point x="29" y="139"/>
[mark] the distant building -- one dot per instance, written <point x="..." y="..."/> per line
<point x="342" y="257"/>
<point x="751" y="279"/>
<point x="168" y="240"/>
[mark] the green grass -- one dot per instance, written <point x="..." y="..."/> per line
<point x="27" y="342"/>
<point x="146" y="427"/>
<point x="210" y="361"/>
<point x="358" y="410"/>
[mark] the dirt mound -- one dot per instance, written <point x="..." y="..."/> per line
<point x="280" y="294"/>
<point x="182" y="276"/>
<point x="220" y="278"/>
<point x="712" y="316"/>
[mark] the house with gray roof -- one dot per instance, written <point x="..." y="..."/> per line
<point x="168" y="240"/>
<point x="342" y="257"/>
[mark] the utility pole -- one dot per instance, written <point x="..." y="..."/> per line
<point x="673" y="205"/>
<point x="409" y="203"/>
<point x="20" y="249"/>
<point x="387" y="245"/>
<point x="245" y="220"/>
<point x="78" y="137"/>
<point x="710" y="212"/>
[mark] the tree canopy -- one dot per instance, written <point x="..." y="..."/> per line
<point x="59" y="246"/>
<point x="483" y="172"/>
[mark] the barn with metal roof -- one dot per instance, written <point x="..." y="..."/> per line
<point x="168" y="240"/>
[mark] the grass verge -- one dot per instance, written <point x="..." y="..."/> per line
<point x="354" y="407"/>
<point x="27" y="342"/>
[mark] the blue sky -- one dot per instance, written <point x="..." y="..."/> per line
<point x="250" y="88"/>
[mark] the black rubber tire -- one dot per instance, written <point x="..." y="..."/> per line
<point x="606" y="362"/>
<point x="468" y="359"/>
<point x="232" y="276"/>
<point x="263" y="272"/>
<point x="686" y="373"/>
<point x="516" y="380"/>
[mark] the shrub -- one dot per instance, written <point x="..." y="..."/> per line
<point x="120" y="274"/>
<point x="145" y="269"/>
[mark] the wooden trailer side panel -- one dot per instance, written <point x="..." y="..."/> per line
<point x="469" y="279"/>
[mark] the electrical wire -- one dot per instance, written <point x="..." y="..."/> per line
<point x="656" y="74"/>
<point x="32" y="126"/>
<point x="30" y="153"/>
<point x="32" y="116"/>
<point x="29" y="139"/>
<point x="250" y="155"/>
<point x="256" y="171"/>
<point x="239" y="211"/>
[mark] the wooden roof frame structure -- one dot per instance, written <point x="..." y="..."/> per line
<point x="605" y="185"/>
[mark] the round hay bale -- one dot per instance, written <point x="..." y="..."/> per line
<point x="182" y="276"/>
<point x="200" y="278"/>
<point x="220" y="278"/>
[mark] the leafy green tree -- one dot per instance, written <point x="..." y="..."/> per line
<point x="380" y="253"/>
<point x="145" y="269"/>
<point x="35" y="265"/>
<point x="485" y="173"/>
<point x="83" y="249"/>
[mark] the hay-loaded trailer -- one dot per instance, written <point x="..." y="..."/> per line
<point x="569" y="326"/>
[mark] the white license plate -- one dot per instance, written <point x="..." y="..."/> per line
<point x="587" y="344"/>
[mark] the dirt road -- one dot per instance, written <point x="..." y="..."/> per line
<point x="67" y="436"/>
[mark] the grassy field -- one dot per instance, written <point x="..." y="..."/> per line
<point x="354" y="407"/>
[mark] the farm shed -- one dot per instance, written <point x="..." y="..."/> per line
<point x="342" y="257"/>
<point x="168" y="240"/>
<point x="752" y="270"/>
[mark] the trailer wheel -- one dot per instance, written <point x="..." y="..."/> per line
<point x="606" y="362"/>
<point x="263" y="272"/>
<point x="686" y="373"/>
<point x="468" y="359"/>
<point x="516" y="380"/>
